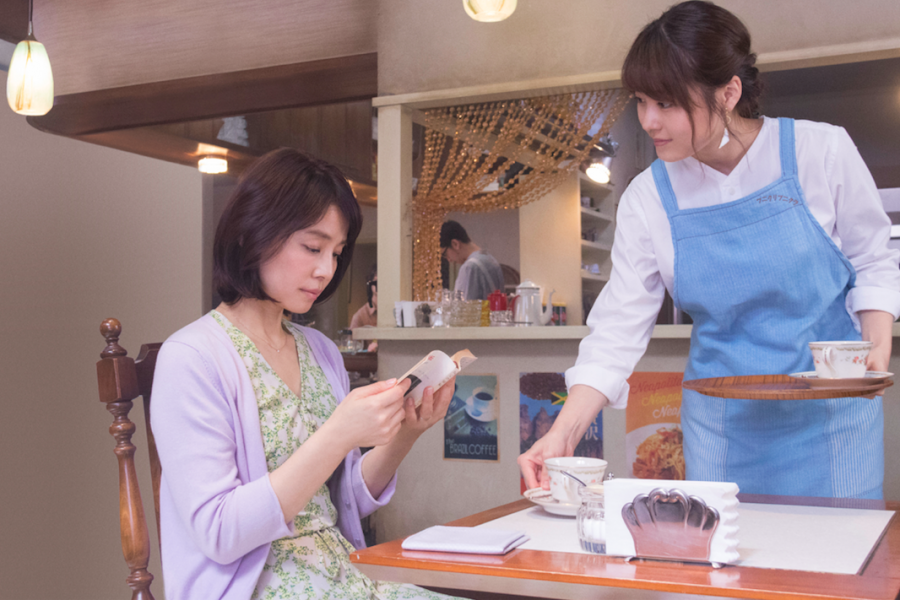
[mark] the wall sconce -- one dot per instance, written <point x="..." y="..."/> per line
<point x="212" y="165"/>
<point x="29" y="85"/>
<point x="489" y="11"/>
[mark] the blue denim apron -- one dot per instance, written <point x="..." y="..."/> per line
<point x="761" y="278"/>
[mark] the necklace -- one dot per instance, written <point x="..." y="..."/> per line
<point x="263" y="338"/>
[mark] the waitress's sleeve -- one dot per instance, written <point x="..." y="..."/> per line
<point x="863" y="229"/>
<point x="623" y="316"/>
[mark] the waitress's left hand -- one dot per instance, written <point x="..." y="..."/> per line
<point x="432" y="409"/>
<point x="877" y="327"/>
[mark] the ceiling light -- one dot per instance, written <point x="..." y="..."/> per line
<point x="29" y="85"/>
<point x="213" y="165"/>
<point x="599" y="170"/>
<point x="489" y="11"/>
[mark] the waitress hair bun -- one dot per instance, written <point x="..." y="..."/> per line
<point x="694" y="45"/>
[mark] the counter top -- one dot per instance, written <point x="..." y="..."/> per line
<point x="570" y="332"/>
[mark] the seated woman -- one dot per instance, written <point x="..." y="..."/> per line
<point x="263" y="484"/>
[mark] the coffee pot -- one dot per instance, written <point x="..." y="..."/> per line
<point x="526" y="305"/>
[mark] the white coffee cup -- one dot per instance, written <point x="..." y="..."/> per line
<point x="409" y="313"/>
<point x="565" y="489"/>
<point x="840" y="360"/>
<point x="481" y="404"/>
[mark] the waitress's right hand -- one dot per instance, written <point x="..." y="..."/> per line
<point x="371" y="415"/>
<point x="531" y="463"/>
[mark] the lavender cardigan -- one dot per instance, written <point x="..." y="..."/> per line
<point x="218" y="510"/>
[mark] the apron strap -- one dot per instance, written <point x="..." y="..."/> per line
<point x="788" y="153"/>
<point x="664" y="187"/>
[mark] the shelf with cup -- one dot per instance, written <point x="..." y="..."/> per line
<point x="598" y="210"/>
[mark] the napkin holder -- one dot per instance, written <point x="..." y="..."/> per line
<point x="688" y="521"/>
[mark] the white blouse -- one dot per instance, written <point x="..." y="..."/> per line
<point x="840" y="193"/>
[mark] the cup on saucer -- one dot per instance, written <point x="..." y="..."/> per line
<point x="840" y="360"/>
<point x="482" y="405"/>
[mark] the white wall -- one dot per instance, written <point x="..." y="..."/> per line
<point x="86" y="233"/>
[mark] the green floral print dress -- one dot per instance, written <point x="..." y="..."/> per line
<point x="315" y="562"/>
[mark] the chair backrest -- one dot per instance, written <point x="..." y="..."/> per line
<point x="120" y="380"/>
<point x="511" y="278"/>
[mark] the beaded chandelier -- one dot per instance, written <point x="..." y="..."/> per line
<point x="499" y="155"/>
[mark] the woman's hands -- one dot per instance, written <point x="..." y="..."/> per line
<point x="371" y="415"/>
<point x="382" y="462"/>
<point x="531" y="463"/>
<point x="432" y="409"/>
<point x="877" y="328"/>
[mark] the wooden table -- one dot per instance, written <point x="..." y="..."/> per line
<point x="538" y="574"/>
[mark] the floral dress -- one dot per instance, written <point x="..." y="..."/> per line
<point x="315" y="562"/>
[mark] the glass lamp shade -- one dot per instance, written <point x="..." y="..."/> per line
<point x="212" y="165"/>
<point x="29" y="85"/>
<point x="489" y="11"/>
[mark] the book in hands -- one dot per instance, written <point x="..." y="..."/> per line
<point x="434" y="371"/>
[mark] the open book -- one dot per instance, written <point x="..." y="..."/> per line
<point x="435" y="370"/>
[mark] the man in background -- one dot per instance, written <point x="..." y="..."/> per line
<point x="479" y="273"/>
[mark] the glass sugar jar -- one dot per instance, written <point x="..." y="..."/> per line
<point x="590" y="520"/>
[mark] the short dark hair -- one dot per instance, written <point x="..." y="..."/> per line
<point x="694" y="45"/>
<point x="282" y="192"/>
<point x="451" y="230"/>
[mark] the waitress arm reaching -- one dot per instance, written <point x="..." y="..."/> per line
<point x="621" y="322"/>
<point x="571" y="423"/>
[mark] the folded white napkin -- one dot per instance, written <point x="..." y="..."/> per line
<point x="468" y="540"/>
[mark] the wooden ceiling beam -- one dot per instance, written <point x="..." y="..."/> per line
<point x="310" y="83"/>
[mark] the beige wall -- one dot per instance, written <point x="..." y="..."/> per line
<point x="432" y="44"/>
<point x="86" y="233"/>
<point x="94" y="44"/>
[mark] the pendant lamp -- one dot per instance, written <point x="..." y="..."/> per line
<point x="489" y="11"/>
<point x="29" y="85"/>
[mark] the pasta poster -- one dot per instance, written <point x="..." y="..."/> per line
<point x="541" y="397"/>
<point x="653" y="438"/>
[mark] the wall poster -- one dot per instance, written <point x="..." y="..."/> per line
<point x="653" y="437"/>
<point x="470" y="427"/>
<point x="541" y="397"/>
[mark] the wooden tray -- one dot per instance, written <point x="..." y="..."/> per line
<point x="779" y="387"/>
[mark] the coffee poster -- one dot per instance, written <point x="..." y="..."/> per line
<point x="470" y="427"/>
<point x="541" y="397"/>
<point x="653" y="436"/>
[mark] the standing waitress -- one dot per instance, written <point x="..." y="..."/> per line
<point x="770" y="234"/>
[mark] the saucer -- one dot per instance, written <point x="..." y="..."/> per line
<point x="480" y="416"/>
<point x="542" y="498"/>
<point x="871" y="378"/>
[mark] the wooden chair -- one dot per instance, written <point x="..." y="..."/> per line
<point x="120" y="380"/>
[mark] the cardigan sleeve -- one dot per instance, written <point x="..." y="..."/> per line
<point x="198" y="439"/>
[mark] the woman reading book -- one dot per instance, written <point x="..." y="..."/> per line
<point x="263" y="484"/>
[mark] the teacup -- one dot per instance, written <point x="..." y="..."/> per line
<point x="565" y="489"/>
<point x="481" y="404"/>
<point x="840" y="360"/>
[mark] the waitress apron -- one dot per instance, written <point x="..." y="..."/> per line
<point x="761" y="279"/>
